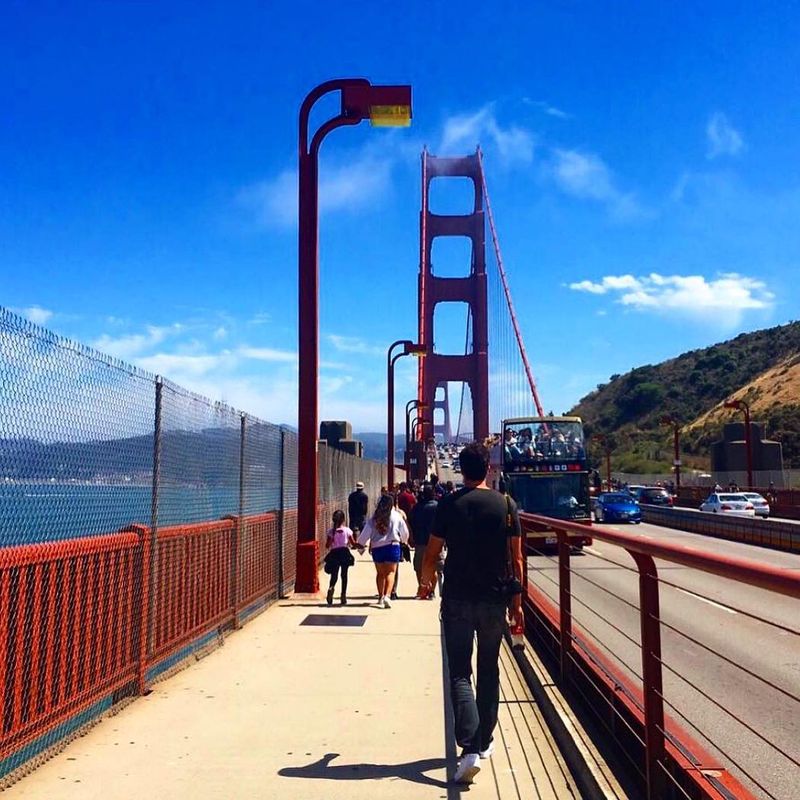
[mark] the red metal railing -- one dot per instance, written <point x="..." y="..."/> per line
<point x="194" y="582"/>
<point x="74" y="614"/>
<point x="636" y="698"/>
<point x="69" y="629"/>
<point x="258" y="558"/>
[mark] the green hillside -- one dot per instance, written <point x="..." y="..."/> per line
<point x="762" y="367"/>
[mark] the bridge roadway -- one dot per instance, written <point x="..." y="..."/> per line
<point x="285" y="711"/>
<point x="771" y="653"/>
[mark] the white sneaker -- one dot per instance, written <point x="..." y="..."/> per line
<point x="382" y="603"/>
<point x="469" y="767"/>
<point x="386" y="603"/>
<point x="488" y="752"/>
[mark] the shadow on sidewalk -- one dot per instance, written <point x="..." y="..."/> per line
<point x="413" y="771"/>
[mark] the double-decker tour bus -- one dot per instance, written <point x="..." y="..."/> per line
<point x="541" y="463"/>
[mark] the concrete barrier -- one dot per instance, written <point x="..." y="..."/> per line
<point x="777" y="534"/>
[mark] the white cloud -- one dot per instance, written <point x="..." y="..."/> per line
<point x="546" y="108"/>
<point x="133" y="345"/>
<point x="268" y="354"/>
<point x="588" y="177"/>
<point x="176" y="366"/>
<point x="352" y="344"/>
<point x="220" y="333"/>
<point x="357" y="183"/>
<point x="514" y="144"/>
<point x="723" y="138"/>
<point x="35" y="314"/>
<point x="725" y="297"/>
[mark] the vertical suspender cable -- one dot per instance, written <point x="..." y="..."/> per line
<point x="517" y="332"/>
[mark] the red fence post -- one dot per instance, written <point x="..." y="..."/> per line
<point x="652" y="687"/>
<point x="145" y="607"/>
<point x="565" y="602"/>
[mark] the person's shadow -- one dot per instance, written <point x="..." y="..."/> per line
<point x="413" y="771"/>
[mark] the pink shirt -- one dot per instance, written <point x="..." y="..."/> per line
<point x="339" y="537"/>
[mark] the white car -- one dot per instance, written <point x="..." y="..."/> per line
<point x="729" y="503"/>
<point x="760" y="505"/>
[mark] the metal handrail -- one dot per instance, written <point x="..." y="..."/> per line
<point x="644" y="551"/>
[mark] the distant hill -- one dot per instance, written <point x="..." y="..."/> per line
<point x="762" y="368"/>
<point x="375" y="445"/>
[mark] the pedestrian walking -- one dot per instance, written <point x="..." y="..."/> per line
<point x="420" y="526"/>
<point x="338" y="542"/>
<point x="483" y="573"/>
<point x="357" y="507"/>
<point x="405" y="551"/>
<point x="383" y="532"/>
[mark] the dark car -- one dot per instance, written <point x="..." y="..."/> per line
<point x="616" y="507"/>
<point x="654" y="496"/>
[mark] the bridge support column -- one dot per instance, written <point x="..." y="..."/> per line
<point x="471" y="367"/>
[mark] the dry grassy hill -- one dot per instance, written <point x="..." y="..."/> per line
<point x="762" y="368"/>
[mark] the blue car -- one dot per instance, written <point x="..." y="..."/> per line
<point x="617" y="507"/>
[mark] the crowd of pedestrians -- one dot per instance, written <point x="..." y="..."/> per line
<point x="468" y="542"/>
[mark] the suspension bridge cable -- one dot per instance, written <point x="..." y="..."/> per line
<point x="507" y="291"/>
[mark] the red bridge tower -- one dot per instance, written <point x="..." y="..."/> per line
<point x="439" y="368"/>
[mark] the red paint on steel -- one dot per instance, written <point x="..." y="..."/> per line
<point x="651" y="673"/>
<point x="423" y="335"/>
<point x="195" y="559"/>
<point x="507" y="292"/>
<point x="754" y="573"/>
<point x="472" y="368"/>
<point x="138" y="586"/>
<point x="58" y="627"/>
<point x="651" y="713"/>
<point x="629" y="696"/>
<point x="259" y="578"/>
<point x="565" y="603"/>
<point x="36" y="635"/>
<point x="5" y="616"/>
<point x="307" y="578"/>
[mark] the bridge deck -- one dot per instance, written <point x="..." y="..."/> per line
<point x="290" y="711"/>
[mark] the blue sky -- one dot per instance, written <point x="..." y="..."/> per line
<point x="641" y="158"/>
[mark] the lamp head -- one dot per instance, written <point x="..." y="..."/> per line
<point x="413" y="349"/>
<point x="383" y="106"/>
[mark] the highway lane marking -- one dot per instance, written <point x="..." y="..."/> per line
<point x="592" y="550"/>
<point x="710" y="602"/>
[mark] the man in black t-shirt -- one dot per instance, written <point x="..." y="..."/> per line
<point x="481" y="530"/>
<point x="357" y="504"/>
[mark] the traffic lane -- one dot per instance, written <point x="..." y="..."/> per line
<point x="609" y="619"/>
<point x="768" y="605"/>
<point x="744" y="696"/>
<point x="757" y="518"/>
<point x="773" y="653"/>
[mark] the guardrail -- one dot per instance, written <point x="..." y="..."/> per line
<point x="80" y="630"/>
<point x="640" y="715"/>
<point x="775" y="533"/>
<point x="70" y="634"/>
<point x="783" y="502"/>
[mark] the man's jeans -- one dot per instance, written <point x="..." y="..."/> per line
<point x="475" y="718"/>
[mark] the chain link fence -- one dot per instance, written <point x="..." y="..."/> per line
<point x="139" y="522"/>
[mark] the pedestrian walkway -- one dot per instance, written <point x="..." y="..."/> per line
<point x="287" y="711"/>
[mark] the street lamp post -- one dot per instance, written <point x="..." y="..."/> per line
<point x="603" y="439"/>
<point x="410" y="405"/>
<point x="676" y="438"/>
<point x="409" y="348"/>
<point x="416" y="424"/>
<point x="741" y="405"/>
<point x="382" y="105"/>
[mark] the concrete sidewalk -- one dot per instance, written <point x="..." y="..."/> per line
<point x="298" y="712"/>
